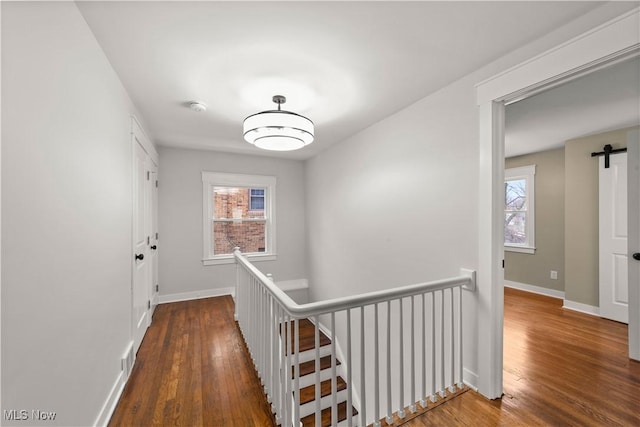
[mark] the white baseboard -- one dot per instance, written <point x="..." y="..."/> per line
<point x="186" y="296"/>
<point x="582" y="308"/>
<point x="112" y="400"/>
<point x="534" y="289"/>
<point x="293" y="285"/>
<point x="285" y="285"/>
<point x="470" y="379"/>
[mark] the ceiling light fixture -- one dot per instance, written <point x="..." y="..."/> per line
<point x="278" y="130"/>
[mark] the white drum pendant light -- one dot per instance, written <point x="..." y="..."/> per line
<point x="278" y="130"/>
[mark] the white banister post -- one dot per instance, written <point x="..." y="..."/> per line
<point x="349" y="383"/>
<point x="269" y="340"/>
<point x="260" y="334"/>
<point x="412" y="407"/>
<point x="460" y="353"/>
<point x="237" y="290"/>
<point x="389" y="417"/>
<point x="433" y="346"/>
<point x="288" y="413"/>
<point x="452" y="349"/>
<point x="376" y="368"/>
<point x="266" y="347"/>
<point x="334" y="380"/>
<point x="363" y="383"/>
<point x="401" y="413"/>
<point x="442" y="365"/>
<point x="296" y="372"/>
<point x="318" y="415"/>
<point x="423" y="396"/>
<point x="282" y="363"/>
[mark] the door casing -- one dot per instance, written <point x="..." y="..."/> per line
<point x="603" y="46"/>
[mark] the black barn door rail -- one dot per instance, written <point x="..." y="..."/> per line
<point x="608" y="150"/>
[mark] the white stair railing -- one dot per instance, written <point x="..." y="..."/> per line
<point x="407" y="340"/>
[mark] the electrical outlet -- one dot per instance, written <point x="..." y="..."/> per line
<point x="554" y="275"/>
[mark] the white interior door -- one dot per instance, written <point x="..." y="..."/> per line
<point x="614" y="284"/>
<point x="141" y="283"/>
<point x="633" y="212"/>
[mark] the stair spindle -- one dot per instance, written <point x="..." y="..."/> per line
<point x="317" y="360"/>
<point x="401" y="413"/>
<point x="296" y="373"/>
<point x="349" y="377"/>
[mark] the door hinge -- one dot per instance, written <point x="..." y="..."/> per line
<point x="148" y="240"/>
<point x="156" y="183"/>
<point x="148" y="304"/>
<point x="157" y="287"/>
<point x="148" y="175"/>
<point x="502" y="263"/>
<point x="156" y="236"/>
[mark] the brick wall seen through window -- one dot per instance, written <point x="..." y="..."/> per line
<point x="239" y="220"/>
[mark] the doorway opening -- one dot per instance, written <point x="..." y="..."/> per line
<point x="616" y="41"/>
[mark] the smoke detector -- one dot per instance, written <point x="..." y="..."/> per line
<point x="198" y="107"/>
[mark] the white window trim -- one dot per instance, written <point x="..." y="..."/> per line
<point x="211" y="179"/>
<point x="528" y="173"/>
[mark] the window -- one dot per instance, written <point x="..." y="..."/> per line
<point x="256" y="201"/>
<point x="238" y="210"/>
<point x="519" y="212"/>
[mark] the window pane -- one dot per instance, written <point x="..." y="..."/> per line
<point x="516" y="194"/>
<point x="234" y="220"/>
<point x="256" y="201"/>
<point x="248" y="236"/>
<point x="234" y="203"/>
<point x="515" y="228"/>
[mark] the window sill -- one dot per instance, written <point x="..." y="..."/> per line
<point x="520" y="249"/>
<point x="229" y="259"/>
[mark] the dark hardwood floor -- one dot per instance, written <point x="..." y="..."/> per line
<point x="561" y="368"/>
<point x="193" y="369"/>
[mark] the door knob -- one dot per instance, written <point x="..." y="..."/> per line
<point x="636" y="256"/>
<point x="139" y="257"/>
<point x="154" y="247"/>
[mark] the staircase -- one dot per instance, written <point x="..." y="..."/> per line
<point x="265" y="315"/>
<point x="307" y="379"/>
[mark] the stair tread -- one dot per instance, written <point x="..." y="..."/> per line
<point x="308" y="394"/>
<point x="307" y="335"/>
<point x="309" y="367"/>
<point x="309" y="420"/>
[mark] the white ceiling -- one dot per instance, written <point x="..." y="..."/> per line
<point x="345" y="65"/>
<point x="605" y="100"/>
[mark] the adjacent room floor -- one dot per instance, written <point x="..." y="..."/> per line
<point x="560" y="368"/>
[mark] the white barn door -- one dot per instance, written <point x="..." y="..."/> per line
<point x="614" y="283"/>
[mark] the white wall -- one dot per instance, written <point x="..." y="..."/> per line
<point x="397" y="203"/>
<point x="66" y="215"/>
<point x="180" y="219"/>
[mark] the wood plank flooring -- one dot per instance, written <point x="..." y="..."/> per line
<point x="193" y="370"/>
<point x="561" y="368"/>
